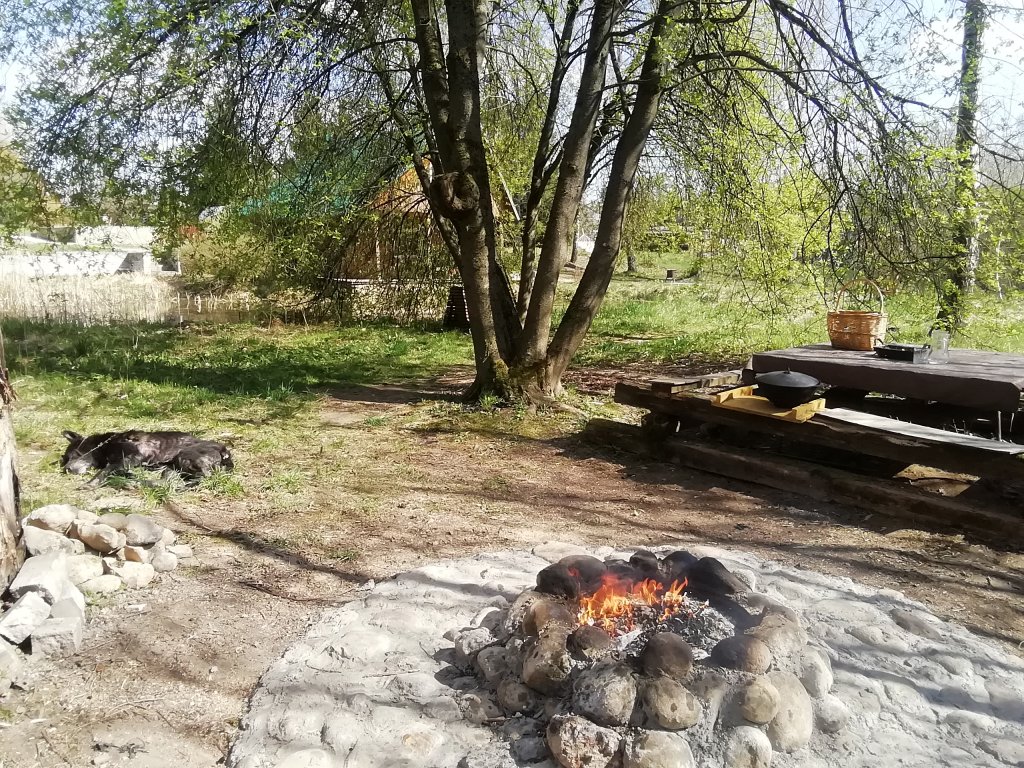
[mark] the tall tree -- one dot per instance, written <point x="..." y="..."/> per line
<point x="966" y="245"/>
<point x="132" y="96"/>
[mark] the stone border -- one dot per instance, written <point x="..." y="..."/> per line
<point x="373" y="683"/>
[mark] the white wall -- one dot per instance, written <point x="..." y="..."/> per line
<point x="69" y="263"/>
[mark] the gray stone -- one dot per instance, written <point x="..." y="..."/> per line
<point x="86" y="516"/>
<point x="140" y="530"/>
<point x="493" y="663"/>
<point x="592" y="643"/>
<point x="667" y="654"/>
<point x="21" y="619"/>
<point x="134" y="575"/>
<point x="747" y="747"/>
<point x="670" y="705"/>
<point x="168" y="537"/>
<point x="479" y="707"/>
<point x="1007" y="751"/>
<point x="542" y="613"/>
<point x="40" y="541"/>
<point x="784" y="637"/>
<point x="184" y="551"/>
<point x="116" y="520"/>
<point x="101" y="584"/>
<point x="830" y="714"/>
<point x="43" y="574"/>
<point x="578" y="743"/>
<point x="67" y="608"/>
<point x="744" y="653"/>
<point x="656" y="749"/>
<point x="547" y="666"/>
<point x="514" y="697"/>
<point x="83" y="567"/>
<point x="137" y="554"/>
<point x="530" y="749"/>
<point x="605" y="693"/>
<point x="759" y="701"/>
<point x="53" y="517"/>
<point x="11" y="666"/>
<point x="712" y="688"/>
<point x="791" y="728"/>
<point x="918" y="622"/>
<point x="815" y="671"/>
<point x="73" y="594"/>
<point x="163" y="562"/>
<point x="57" y="637"/>
<point x="98" y="536"/>
<point x="883" y="639"/>
<point x="307" y="758"/>
<point x="468" y="642"/>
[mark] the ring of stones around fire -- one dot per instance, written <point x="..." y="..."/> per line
<point x="430" y="669"/>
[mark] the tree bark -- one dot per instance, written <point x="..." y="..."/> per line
<point x="12" y="546"/>
<point x="462" y="189"/>
<point x="593" y="285"/>
<point x="543" y="164"/>
<point x="569" y="189"/>
<point x="955" y="289"/>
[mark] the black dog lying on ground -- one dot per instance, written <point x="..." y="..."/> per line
<point x="117" y="452"/>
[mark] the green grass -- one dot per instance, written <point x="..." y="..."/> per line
<point x="253" y="388"/>
<point x="646" y="319"/>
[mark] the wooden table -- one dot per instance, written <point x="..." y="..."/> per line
<point x="985" y="381"/>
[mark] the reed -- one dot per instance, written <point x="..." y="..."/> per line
<point x="92" y="300"/>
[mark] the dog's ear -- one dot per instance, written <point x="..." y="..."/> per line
<point x="72" y="437"/>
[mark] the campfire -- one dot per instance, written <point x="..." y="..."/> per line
<point x="617" y="606"/>
<point x="624" y="661"/>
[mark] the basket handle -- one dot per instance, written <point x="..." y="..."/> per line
<point x="872" y="283"/>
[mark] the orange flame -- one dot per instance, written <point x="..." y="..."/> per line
<point x="613" y="607"/>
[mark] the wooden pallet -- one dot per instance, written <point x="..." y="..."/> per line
<point x="744" y="399"/>
<point x="872" y="494"/>
<point x="694" y="409"/>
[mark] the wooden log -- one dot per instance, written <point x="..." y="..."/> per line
<point x="832" y="434"/>
<point x="871" y="494"/>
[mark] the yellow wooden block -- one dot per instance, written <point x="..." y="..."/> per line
<point x="743" y="399"/>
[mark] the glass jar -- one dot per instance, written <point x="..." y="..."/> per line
<point x="939" y="341"/>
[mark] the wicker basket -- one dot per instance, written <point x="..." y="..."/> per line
<point x="857" y="329"/>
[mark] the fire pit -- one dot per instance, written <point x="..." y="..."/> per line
<point x="659" y="659"/>
<point x="643" y="662"/>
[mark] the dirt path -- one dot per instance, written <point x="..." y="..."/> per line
<point x="390" y="484"/>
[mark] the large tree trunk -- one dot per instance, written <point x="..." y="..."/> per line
<point x="953" y="296"/>
<point x="544" y="164"/>
<point x="12" y="547"/>
<point x="593" y="285"/>
<point x="569" y="189"/>
<point x="461" y="191"/>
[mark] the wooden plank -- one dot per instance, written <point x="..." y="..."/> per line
<point x="671" y="386"/>
<point x="921" y="432"/>
<point x="824" y="483"/>
<point x="831" y="433"/>
<point x="721" y="379"/>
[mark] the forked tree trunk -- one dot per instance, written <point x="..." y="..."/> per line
<point x="514" y="358"/>
<point x="593" y="285"/>
<point x="12" y="547"/>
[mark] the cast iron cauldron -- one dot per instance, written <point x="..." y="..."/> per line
<point x="786" y="389"/>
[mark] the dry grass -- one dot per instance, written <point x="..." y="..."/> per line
<point x="86" y="300"/>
